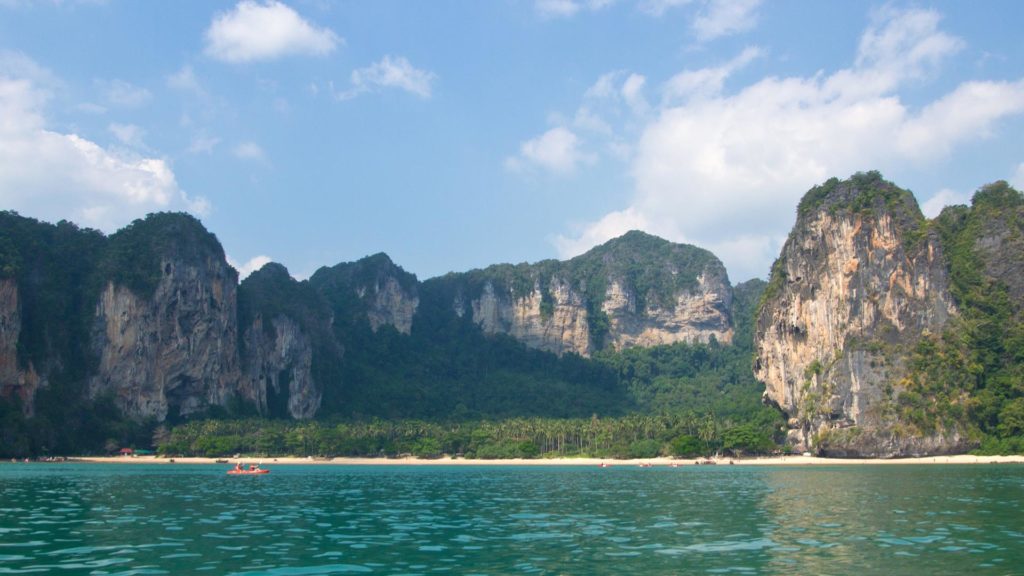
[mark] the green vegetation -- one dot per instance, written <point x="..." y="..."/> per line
<point x="133" y="255"/>
<point x="447" y="366"/>
<point x="652" y="269"/>
<point x="447" y="388"/>
<point x="635" y="436"/>
<point x="864" y="192"/>
<point x="971" y="377"/>
<point x="54" y="267"/>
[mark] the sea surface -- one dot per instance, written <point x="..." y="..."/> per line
<point x="188" y="519"/>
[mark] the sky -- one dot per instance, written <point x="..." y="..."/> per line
<point x="458" y="134"/>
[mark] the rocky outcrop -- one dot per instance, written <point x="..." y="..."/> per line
<point x="859" y="281"/>
<point x="15" y="380"/>
<point x="278" y="367"/>
<point x="286" y="340"/>
<point x="388" y="303"/>
<point x="636" y="290"/>
<point x="173" y="353"/>
<point x="556" y="324"/>
<point x="999" y="241"/>
<point x="373" y="289"/>
<point x="696" y="316"/>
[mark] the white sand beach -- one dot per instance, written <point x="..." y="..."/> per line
<point x="658" y="462"/>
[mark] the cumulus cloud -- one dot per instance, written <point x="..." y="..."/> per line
<point x="708" y="163"/>
<point x="557" y="151"/>
<point x="725" y="17"/>
<point x="706" y="82"/>
<point x="945" y="197"/>
<point x="250" y="266"/>
<point x="53" y="175"/>
<point x="390" y="72"/>
<point x="255" y="31"/>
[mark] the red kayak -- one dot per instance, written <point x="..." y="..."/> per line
<point x="249" y="470"/>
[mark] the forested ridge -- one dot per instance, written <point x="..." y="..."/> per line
<point x="444" y="386"/>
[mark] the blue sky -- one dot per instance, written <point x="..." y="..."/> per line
<point x="454" y="135"/>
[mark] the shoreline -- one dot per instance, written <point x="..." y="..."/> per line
<point x="660" y="462"/>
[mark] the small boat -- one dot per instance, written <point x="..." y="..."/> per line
<point x="252" y="469"/>
<point x="604" y="465"/>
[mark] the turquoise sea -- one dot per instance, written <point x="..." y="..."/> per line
<point x="179" y="519"/>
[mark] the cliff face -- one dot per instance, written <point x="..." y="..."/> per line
<point x="14" y="380"/>
<point x="372" y="289"/>
<point x="697" y="316"/>
<point x="557" y="324"/>
<point x="859" y="281"/>
<point x="286" y="344"/>
<point x="999" y="241"/>
<point x="278" y="369"/>
<point x="636" y="290"/>
<point x="174" y="352"/>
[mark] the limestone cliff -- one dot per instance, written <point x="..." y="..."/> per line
<point x="15" y="380"/>
<point x="373" y="289"/>
<point x="278" y="368"/>
<point x="553" y="319"/>
<point x="166" y="337"/>
<point x="636" y="290"/>
<point x="287" y="347"/>
<point x="860" y="279"/>
<point x="997" y="236"/>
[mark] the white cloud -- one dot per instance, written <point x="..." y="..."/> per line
<point x="706" y="82"/>
<point x="203" y="144"/>
<point x="185" y="80"/>
<point x="54" y="175"/>
<point x="128" y="134"/>
<point x="612" y="225"/>
<point x="945" y="197"/>
<point x="556" y="8"/>
<point x="255" y="31"/>
<point x="967" y="113"/>
<point x="252" y="265"/>
<point x="709" y="162"/>
<point x="557" y="151"/>
<point x="568" y="8"/>
<point x="587" y="119"/>
<point x="604" y="88"/>
<point x="632" y="93"/>
<point x="125" y="94"/>
<point x="725" y="17"/>
<point x="1017" y="180"/>
<point x="17" y="65"/>
<point x="249" y="151"/>
<point x="905" y="43"/>
<point x="657" y="8"/>
<point x="389" y="73"/>
<point x="91" y="108"/>
<point x="611" y="87"/>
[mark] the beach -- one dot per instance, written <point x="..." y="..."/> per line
<point x="797" y="460"/>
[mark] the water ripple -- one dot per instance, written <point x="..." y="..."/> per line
<point x="141" y="519"/>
